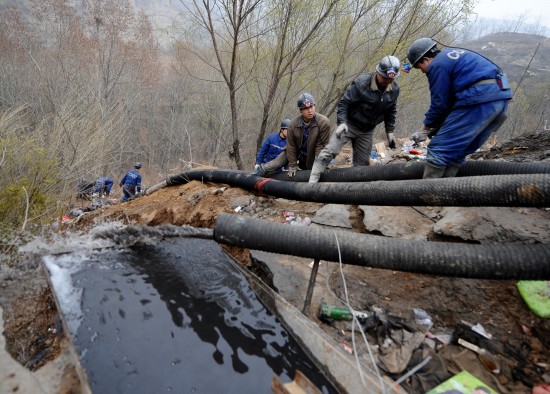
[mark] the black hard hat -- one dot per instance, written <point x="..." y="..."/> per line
<point x="137" y="164"/>
<point x="285" y="123"/>
<point x="389" y="67"/>
<point x="305" y="100"/>
<point x="419" y="48"/>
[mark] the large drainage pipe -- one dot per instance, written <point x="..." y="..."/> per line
<point x="415" y="170"/>
<point x="518" y="262"/>
<point x="529" y="190"/>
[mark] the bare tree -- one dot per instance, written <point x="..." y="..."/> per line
<point x="229" y="24"/>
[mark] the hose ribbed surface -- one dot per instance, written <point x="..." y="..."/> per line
<point x="518" y="262"/>
<point x="529" y="190"/>
<point x="532" y="190"/>
<point x="415" y="170"/>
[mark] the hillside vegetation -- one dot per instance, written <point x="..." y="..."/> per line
<point x="87" y="89"/>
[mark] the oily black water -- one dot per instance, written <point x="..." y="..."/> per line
<point x="177" y="317"/>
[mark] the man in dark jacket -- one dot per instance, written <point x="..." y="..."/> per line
<point x="308" y="133"/>
<point x="370" y="99"/>
<point x="131" y="183"/>
<point x="469" y="102"/>
<point x="273" y="146"/>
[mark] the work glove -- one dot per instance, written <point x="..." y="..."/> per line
<point x="420" y="136"/>
<point x="256" y="167"/>
<point x="341" y="129"/>
<point x="391" y="140"/>
<point x="292" y="171"/>
<point x="432" y="132"/>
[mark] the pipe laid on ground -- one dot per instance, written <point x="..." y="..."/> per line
<point x="415" y="170"/>
<point x="527" y="190"/>
<point x="518" y="262"/>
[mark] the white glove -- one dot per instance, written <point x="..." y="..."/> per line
<point x="292" y="171"/>
<point x="391" y="140"/>
<point x="256" y="167"/>
<point x="420" y="136"/>
<point x="341" y="129"/>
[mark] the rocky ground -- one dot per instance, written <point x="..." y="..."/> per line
<point x="520" y="339"/>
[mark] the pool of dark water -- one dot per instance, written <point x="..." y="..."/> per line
<point x="178" y="317"/>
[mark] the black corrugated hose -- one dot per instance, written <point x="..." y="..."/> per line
<point x="414" y="170"/>
<point x="518" y="262"/>
<point x="525" y="190"/>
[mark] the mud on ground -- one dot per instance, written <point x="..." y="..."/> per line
<point x="521" y="339"/>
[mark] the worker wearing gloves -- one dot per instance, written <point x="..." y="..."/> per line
<point x="369" y="100"/>
<point x="469" y="102"/>
<point x="131" y="183"/>
<point x="103" y="185"/>
<point x="273" y="146"/>
<point x="307" y="134"/>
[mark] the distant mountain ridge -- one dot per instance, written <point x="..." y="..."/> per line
<point x="513" y="52"/>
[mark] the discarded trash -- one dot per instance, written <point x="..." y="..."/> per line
<point x="238" y="209"/>
<point x="486" y="358"/>
<point x="360" y="315"/>
<point x="478" y="328"/>
<point x="301" y="221"/>
<point x="444" y="339"/>
<point x="422" y="318"/>
<point x="481" y="331"/>
<point x="327" y="311"/>
<point x="347" y="347"/>
<point x="462" y="382"/>
<point x="541" y="389"/>
<point x="536" y="294"/>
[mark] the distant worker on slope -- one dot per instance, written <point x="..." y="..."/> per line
<point x="85" y="188"/>
<point x="103" y="185"/>
<point x="307" y="134"/>
<point x="274" y="144"/>
<point x="469" y="102"/>
<point x="131" y="183"/>
<point x="369" y="100"/>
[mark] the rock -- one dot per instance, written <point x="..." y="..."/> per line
<point x="335" y="215"/>
<point x="491" y="225"/>
<point x="397" y="222"/>
<point x="240" y="201"/>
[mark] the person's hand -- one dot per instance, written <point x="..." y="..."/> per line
<point x="292" y="171"/>
<point x="420" y="136"/>
<point x="391" y="140"/>
<point x="341" y="129"/>
<point x="432" y="132"/>
<point x="256" y="167"/>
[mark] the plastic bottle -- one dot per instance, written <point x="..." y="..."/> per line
<point x="327" y="311"/>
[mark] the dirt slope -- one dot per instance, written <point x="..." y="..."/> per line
<point x="520" y="339"/>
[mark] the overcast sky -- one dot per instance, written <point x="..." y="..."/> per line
<point x="535" y="10"/>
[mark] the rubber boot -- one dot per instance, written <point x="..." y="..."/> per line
<point x="260" y="171"/>
<point x="451" y="171"/>
<point x="431" y="171"/>
<point x="318" y="168"/>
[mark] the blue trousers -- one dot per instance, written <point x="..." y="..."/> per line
<point x="127" y="192"/>
<point x="464" y="131"/>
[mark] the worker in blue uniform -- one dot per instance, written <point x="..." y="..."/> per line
<point x="469" y="102"/>
<point x="103" y="185"/>
<point x="131" y="183"/>
<point x="273" y="145"/>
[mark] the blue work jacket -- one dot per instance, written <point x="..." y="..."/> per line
<point x="460" y="78"/>
<point x="132" y="180"/>
<point x="272" y="146"/>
